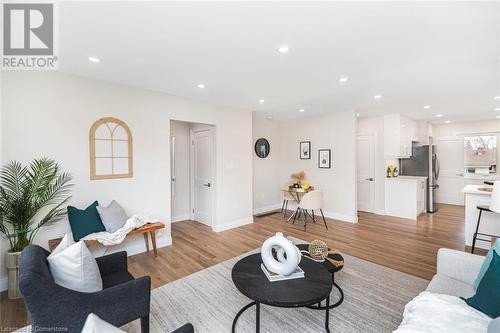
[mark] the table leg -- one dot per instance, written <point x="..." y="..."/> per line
<point x="243" y="309"/>
<point x="327" y="319"/>
<point x="146" y="241"/>
<point x="153" y="241"/>
<point x="257" y="317"/>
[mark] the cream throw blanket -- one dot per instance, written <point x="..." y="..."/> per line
<point x="115" y="238"/>
<point x="437" y="313"/>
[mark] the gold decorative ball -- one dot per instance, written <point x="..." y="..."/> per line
<point x="318" y="250"/>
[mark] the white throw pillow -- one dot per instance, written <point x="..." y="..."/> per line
<point x="75" y="268"/>
<point x="113" y="217"/>
<point x="94" y="324"/>
<point x="66" y="242"/>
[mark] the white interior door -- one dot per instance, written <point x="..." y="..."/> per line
<point x="203" y="183"/>
<point x="365" y="150"/>
<point x="450" y="153"/>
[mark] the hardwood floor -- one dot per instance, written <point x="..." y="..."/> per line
<point x="404" y="245"/>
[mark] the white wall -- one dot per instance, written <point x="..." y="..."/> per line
<point x="266" y="180"/>
<point x="181" y="197"/>
<point x="336" y="131"/>
<point x="50" y="113"/>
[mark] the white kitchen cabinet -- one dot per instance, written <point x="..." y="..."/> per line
<point x="399" y="133"/>
<point x="405" y="196"/>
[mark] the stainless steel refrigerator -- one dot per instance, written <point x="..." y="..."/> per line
<point x="424" y="162"/>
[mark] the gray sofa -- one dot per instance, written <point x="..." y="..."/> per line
<point x="52" y="307"/>
<point x="455" y="275"/>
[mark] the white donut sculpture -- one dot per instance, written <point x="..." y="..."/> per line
<point x="287" y="253"/>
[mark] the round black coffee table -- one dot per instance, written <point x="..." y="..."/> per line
<point x="251" y="281"/>
<point x="332" y="268"/>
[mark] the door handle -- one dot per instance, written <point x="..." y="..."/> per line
<point x="207" y="185"/>
<point x="369" y="179"/>
<point x="460" y="174"/>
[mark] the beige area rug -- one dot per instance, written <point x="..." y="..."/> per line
<point x="375" y="297"/>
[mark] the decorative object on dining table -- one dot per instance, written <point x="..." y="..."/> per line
<point x="392" y="171"/>
<point x="324" y="158"/>
<point x="305" y="150"/>
<point x="298" y="178"/>
<point x="262" y="147"/>
<point x="286" y="264"/>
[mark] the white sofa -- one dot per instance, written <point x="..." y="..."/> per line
<point x="455" y="276"/>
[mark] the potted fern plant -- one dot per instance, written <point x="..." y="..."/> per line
<point x="30" y="197"/>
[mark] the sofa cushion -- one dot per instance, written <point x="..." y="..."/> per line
<point x="84" y="222"/>
<point x="113" y="217"/>
<point x="487" y="297"/>
<point x="442" y="284"/>
<point x="486" y="263"/>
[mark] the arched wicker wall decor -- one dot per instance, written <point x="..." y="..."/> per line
<point x="110" y="142"/>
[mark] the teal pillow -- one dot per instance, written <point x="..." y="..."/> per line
<point x="487" y="297"/>
<point x="84" y="222"/>
<point x="486" y="263"/>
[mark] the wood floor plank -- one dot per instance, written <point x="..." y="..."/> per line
<point x="404" y="245"/>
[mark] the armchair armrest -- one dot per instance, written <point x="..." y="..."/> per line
<point x="112" y="263"/>
<point x="186" y="328"/>
<point x="459" y="265"/>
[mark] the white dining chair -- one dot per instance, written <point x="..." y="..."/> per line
<point x="312" y="201"/>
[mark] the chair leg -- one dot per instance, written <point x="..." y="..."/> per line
<point x="286" y="209"/>
<point x="145" y="324"/>
<point x="313" y="217"/>
<point x="283" y="206"/>
<point x="474" y="237"/>
<point x="295" y="215"/>
<point x="305" y="221"/>
<point x="323" y="216"/>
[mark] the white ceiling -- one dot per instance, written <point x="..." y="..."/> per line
<point x="443" y="54"/>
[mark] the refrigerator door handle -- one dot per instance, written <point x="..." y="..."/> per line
<point x="437" y="167"/>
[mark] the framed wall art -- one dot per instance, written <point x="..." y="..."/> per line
<point x="324" y="158"/>
<point x="305" y="150"/>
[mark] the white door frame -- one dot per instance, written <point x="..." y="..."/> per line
<point x="375" y="174"/>
<point x="211" y="129"/>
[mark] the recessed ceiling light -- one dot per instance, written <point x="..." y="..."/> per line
<point x="498" y="117"/>
<point x="283" y="49"/>
<point x="377" y="97"/>
<point x="427" y="107"/>
<point x="270" y="117"/>
<point x="301" y="110"/>
<point x="357" y="115"/>
<point x="439" y="115"/>
<point x="343" y="79"/>
<point x="497" y="97"/>
<point x="497" y="109"/>
<point x="447" y="121"/>
<point x="201" y="86"/>
<point x="261" y="101"/>
<point x="95" y="60"/>
<point x="403" y="126"/>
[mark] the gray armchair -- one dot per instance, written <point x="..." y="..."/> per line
<point x="53" y="307"/>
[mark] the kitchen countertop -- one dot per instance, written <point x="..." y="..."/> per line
<point x="474" y="189"/>
<point x="406" y="178"/>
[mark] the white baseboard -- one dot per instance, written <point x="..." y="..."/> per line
<point x="233" y="224"/>
<point x="331" y="215"/>
<point x="181" y="217"/>
<point x="380" y="212"/>
<point x="266" y="209"/>
<point x="342" y="217"/>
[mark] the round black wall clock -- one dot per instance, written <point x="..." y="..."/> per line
<point x="262" y="148"/>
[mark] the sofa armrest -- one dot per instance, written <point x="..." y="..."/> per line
<point x="112" y="263"/>
<point x="458" y="265"/>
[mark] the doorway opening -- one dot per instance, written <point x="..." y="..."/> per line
<point x="365" y="170"/>
<point x="192" y="170"/>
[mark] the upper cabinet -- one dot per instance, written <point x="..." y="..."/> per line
<point x="399" y="133"/>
